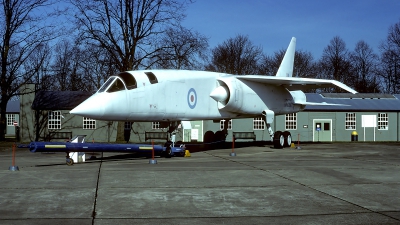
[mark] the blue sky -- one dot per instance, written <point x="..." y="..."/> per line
<point x="271" y="24"/>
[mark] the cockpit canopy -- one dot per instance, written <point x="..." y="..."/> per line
<point x="120" y="82"/>
<point x="125" y="81"/>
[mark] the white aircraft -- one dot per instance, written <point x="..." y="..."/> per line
<point x="182" y="95"/>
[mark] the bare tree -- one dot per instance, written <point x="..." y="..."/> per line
<point x="335" y="63"/>
<point x="23" y="30"/>
<point x="97" y="67"/>
<point x="393" y="38"/>
<point x="364" y="63"/>
<point x="304" y="65"/>
<point x="270" y="64"/>
<point x="67" y="66"/>
<point x="39" y="62"/>
<point x="62" y="65"/>
<point x="127" y="29"/>
<point x="182" y="48"/>
<point x="236" y="56"/>
<point x="389" y="69"/>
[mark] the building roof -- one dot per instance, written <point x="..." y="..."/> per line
<point x="59" y="100"/>
<point x="13" y="107"/>
<point x="365" y="102"/>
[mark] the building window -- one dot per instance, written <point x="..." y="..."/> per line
<point x="221" y="124"/>
<point x="327" y="126"/>
<point x="10" y="119"/>
<point x="383" y="121"/>
<point x="291" y="121"/>
<point x="54" y="120"/>
<point x="350" y="122"/>
<point x="155" y="125"/>
<point x="89" y="124"/>
<point x="258" y="124"/>
<point x="128" y="125"/>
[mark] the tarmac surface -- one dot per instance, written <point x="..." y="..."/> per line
<point x="336" y="183"/>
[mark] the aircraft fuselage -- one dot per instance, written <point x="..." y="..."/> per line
<point x="174" y="95"/>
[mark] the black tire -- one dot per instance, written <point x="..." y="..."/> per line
<point x="168" y="150"/>
<point x="70" y="162"/>
<point x="208" y="137"/>
<point x="278" y="140"/>
<point x="219" y="136"/>
<point x="287" y="139"/>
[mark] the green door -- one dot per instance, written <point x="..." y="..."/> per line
<point x="322" y="130"/>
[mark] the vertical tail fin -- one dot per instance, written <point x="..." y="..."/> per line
<point x="286" y="67"/>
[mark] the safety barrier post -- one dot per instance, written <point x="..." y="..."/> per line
<point x="152" y="150"/>
<point x="152" y="160"/>
<point x="13" y="167"/>
<point x="298" y="141"/>
<point x="233" y="146"/>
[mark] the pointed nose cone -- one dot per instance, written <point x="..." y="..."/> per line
<point x="91" y="108"/>
<point x="220" y="94"/>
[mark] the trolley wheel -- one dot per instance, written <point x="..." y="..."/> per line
<point x="69" y="162"/>
<point x="168" y="152"/>
<point x="168" y="149"/>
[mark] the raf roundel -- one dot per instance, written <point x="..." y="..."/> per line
<point x="192" y="98"/>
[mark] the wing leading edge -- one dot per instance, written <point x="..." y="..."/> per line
<point x="296" y="83"/>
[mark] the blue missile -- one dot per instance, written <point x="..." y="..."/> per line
<point x="95" y="147"/>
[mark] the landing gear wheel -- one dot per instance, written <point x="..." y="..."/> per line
<point x="287" y="139"/>
<point x="69" y="161"/>
<point x="278" y="140"/>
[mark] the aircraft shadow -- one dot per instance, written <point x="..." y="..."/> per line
<point x="99" y="158"/>
<point x="199" y="147"/>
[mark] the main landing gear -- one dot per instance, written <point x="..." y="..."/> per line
<point x="282" y="139"/>
<point x="279" y="139"/>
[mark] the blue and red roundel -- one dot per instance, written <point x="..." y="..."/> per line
<point x="192" y="98"/>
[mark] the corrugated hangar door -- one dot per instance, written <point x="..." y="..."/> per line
<point x="322" y="130"/>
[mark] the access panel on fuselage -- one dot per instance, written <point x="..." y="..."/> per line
<point x="175" y="99"/>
